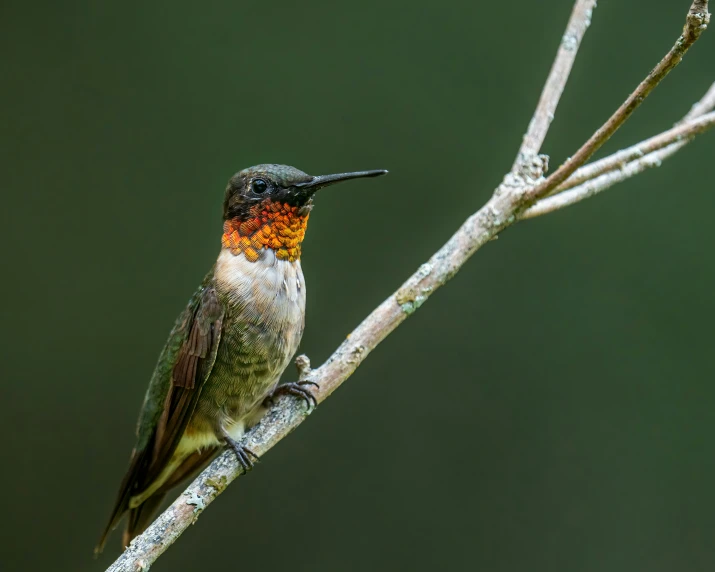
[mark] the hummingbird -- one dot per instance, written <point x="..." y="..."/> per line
<point x="220" y="367"/>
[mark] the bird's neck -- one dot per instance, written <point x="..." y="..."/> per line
<point x="270" y="224"/>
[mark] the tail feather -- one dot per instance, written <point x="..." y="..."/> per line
<point x="122" y="504"/>
<point x="140" y="518"/>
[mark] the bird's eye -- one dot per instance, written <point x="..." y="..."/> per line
<point x="259" y="186"/>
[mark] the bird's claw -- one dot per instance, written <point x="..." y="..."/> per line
<point x="243" y="454"/>
<point x="298" y="389"/>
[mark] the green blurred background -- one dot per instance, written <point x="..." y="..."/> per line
<point x="550" y="409"/>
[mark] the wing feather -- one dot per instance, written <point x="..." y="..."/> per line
<point x="184" y="365"/>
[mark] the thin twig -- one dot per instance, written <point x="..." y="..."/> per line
<point x="595" y="186"/>
<point x="619" y="159"/>
<point x="696" y="22"/>
<point x="610" y="177"/>
<point x="553" y="88"/>
<point x="511" y="197"/>
<point x="706" y="103"/>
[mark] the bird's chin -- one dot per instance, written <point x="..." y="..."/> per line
<point x="305" y="209"/>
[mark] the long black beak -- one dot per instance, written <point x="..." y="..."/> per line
<point x="309" y="187"/>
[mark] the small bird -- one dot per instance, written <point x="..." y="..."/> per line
<point x="221" y="364"/>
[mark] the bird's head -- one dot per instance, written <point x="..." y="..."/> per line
<point x="267" y="206"/>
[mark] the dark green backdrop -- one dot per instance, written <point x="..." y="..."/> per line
<point x="550" y="409"/>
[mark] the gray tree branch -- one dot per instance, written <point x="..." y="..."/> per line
<point x="539" y="125"/>
<point x="619" y="159"/>
<point x="512" y="197"/>
<point x="696" y="22"/>
<point x="634" y="160"/>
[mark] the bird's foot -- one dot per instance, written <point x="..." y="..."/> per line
<point x="298" y="389"/>
<point x="243" y="454"/>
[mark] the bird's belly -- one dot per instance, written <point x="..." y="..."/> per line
<point x="265" y="303"/>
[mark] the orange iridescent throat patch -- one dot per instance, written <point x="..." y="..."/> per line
<point x="270" y="224"/>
